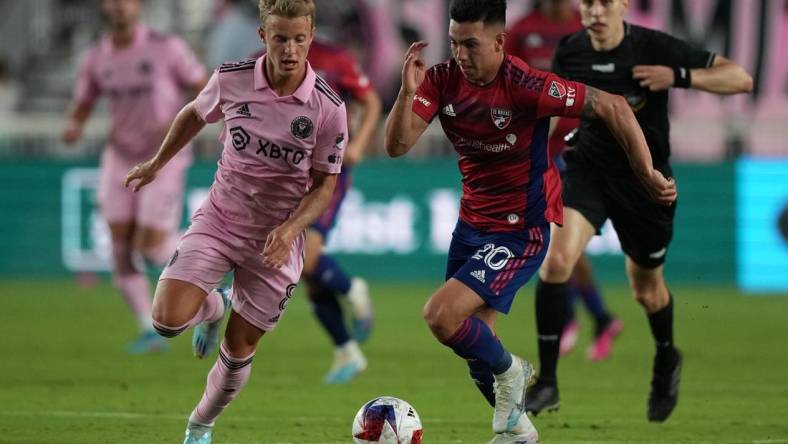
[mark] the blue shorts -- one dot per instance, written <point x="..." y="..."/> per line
<point x="496" y="265"/>
<point x="329" y="217"/>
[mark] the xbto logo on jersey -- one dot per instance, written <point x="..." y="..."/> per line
<point x="301" y="127"/>
<point x="265" y="148"/>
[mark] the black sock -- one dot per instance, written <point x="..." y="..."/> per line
<point x="661" y="323"/>
<point x="329" y="313"/>
<point x="550" y="305"/>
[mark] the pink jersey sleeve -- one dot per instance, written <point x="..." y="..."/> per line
<point x="188" y="69"/>
<point x="208" y="102"/>
<point x="561" y="97"/>
<point x="331" y="142"/>
<point x="425" y="103"/>
<point x="86" y="89"/>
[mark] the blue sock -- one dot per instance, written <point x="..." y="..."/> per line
<point x="329" y="274"/>
<point x="475" y="340"/>
<point x="593" y="302"/>
<point x="329" y="313"/>
<point x="483" y="378"/>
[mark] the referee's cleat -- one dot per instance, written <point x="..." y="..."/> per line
<point x="664" y="389"/>
<point x="206" y="334"/>
<point x="542" y="396"/>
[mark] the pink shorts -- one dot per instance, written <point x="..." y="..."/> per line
<point x="207" y="252"/>
<point x="157" y="205"/>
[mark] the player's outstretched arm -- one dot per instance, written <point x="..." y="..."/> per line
<point x="183" y="129"/>
<point x="403" y="126"/>
<point x="723" y="77"/>
<point x="314" y="203"/>
<point x="76" y="121"/>
<point x="370" y="110"/>
<point x="616" y="113"/>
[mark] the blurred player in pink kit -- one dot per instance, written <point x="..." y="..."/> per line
<point x="143" y="73"/>
<point x="284" y="139"/>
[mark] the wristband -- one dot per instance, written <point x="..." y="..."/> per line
<point x="681" y="77"/>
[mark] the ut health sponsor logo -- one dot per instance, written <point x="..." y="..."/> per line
<point x="241" y="139"/>
<point x="501" y="117"/>
<point x="301" y="127"/>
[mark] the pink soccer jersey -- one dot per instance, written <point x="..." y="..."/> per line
<point x="270" y="145"/>
<point x="144" y="84"/>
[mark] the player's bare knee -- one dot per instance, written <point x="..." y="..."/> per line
<point x="646" y="294"/>
<point x="555" y="268"/>
<point x="439" y="321"/>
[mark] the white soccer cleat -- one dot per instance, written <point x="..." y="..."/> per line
<point x="198" y="433"/>
<point x="205" y="337"/>
<point x="523" y="432"/>
<point x="360" y="309"/>
<point x="349" y="362"/>
<point x="509" y="388"/>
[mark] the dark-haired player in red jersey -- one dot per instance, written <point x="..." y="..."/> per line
<point x="326" y="280"/>
<point x="533" y="38"/>
<point x="495" y="110"/>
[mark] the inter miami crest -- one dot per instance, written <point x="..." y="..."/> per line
<point x="301" y="127"/>
<point x="501" y="117"/>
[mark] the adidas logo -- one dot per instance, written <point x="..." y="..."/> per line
<point x="244" y="111"/>
<point x="478" y="274"/>
<point x="449" y="110"/>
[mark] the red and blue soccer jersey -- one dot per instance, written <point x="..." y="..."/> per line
<point x="499" y="130"/>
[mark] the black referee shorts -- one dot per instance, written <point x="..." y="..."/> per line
<point x="644" y="227"/>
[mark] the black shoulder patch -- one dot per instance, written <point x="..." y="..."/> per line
<point x="237" y="66"/>
<point x="322" y="86"/>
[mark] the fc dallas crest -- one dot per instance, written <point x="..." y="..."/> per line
<point x="501" y="117"/>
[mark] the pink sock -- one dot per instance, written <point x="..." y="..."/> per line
<point x="211" y="310"/>
<point x="136" y="292"/>
<point x="227" y="377"/>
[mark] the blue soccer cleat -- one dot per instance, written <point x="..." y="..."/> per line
<point x="361" y="310"/>
<point x="198" y="434"/>
<point x="206" y="334"/>
<point x="147" y="342"/>
<point x="349" y="362"/>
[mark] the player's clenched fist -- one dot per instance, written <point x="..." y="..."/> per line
<point x="413" y="70"/>
<point x="277" y="246"/>
<point x="143" y="173"/>
<point x="662" y="190"/>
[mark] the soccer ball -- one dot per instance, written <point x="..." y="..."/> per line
<point x="387" y="420"/>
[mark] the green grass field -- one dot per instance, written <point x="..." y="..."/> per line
<point x="64" y="377"/>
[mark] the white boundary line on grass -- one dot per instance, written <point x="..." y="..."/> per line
<point x="137" y="415"/>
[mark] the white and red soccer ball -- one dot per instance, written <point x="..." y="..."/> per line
<point x="387" y="420"/>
